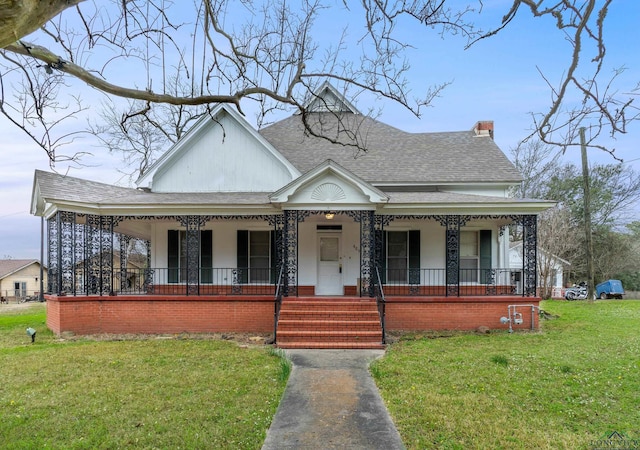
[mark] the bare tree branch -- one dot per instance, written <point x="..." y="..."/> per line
<point x="582" y="22"/>
<point x="266" y="55"/>
<point x="38" y="112"/>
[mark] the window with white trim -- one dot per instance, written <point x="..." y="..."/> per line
<point x="255" y="256"/>
<point x="259" y="256"/>
<point x="469" y="256"/>
<point x="397" y="256"/>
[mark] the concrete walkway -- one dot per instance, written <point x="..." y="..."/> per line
<point x="331" y="402"/>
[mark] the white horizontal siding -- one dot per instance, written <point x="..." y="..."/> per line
<point x="432" y="242"/>
<point x="224" y="157"/>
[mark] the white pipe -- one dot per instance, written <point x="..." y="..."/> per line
<point x="511" y="314"/>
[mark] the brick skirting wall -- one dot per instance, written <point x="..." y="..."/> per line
<point x="209" y="314"/>
<point x="159" y="315"/>
<point x="452" y="313"/>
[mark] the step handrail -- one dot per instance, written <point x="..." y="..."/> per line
<point x="277" y="304"/>
<point x="380" y="302"/>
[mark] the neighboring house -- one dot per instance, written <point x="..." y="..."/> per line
<point x="550" y="270"/>
<point x="20" y="279"/>
<point x="235" y="218"/>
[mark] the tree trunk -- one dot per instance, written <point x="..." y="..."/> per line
<point x="19" y="18"/>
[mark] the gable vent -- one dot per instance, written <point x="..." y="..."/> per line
<point x="328" y="192"/>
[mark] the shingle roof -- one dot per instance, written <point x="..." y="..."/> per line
<point x="448" y="198"/>
<point x="54" y="187"/>
<point x="9" y="266"/>
<point x="393" y="155"/>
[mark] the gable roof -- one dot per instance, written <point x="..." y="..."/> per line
<point x="212" y="119"/>
<point x="11" y="266"/>
<point x="327" y="98"/>
<point x="320" y="174"/>
<point x="392" y="156"/>
<point x="444" y="172"/>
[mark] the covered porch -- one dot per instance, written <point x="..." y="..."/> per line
<point x="92" y="255"/>
<point x="94" y="287"/>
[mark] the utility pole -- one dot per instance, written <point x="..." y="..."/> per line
<point x="587" y="217"/>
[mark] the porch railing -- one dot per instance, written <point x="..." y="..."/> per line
<point x="253" y="281"/>
<point x="439" y="282"/>
<point x="166" y="281"/>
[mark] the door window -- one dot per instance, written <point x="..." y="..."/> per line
<point x="329" y="249"/>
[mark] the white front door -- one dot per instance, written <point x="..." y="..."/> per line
<point x="329" y="265"/>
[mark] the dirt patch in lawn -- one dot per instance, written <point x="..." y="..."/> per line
<point x="242" y="339"/>
<point x="13" y="307"/>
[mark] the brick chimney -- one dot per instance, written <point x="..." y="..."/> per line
<point x="484" y="128"/>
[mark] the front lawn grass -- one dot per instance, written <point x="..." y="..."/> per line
<point x="139" y="393"/>
<point x="570" y="384"/>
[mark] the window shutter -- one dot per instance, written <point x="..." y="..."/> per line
<point x="485" y="256"/>
<point x="243" y="255"/>
<point x="206" y="256"/>
<point x="414" y="257"/>
<point x="173" y="256"/>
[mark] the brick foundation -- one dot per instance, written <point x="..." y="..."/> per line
<point x="208" y="314"/>
<point x="447" y="313"/>
<point x="159" y="315"/>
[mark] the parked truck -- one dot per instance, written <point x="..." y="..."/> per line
<point x="609" y="289"/>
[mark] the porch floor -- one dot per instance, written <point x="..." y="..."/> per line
<point x="329" y="323"/>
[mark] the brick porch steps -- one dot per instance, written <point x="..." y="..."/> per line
<point x="319" y="325"/>
<point x="339" y="323"/>
<point x="333" y="345"/>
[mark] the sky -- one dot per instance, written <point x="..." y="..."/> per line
<point x="497" y="79"/>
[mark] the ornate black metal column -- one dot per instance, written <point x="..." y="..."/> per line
<point x="291" y="253"/>
<point x="99" y="253"/>
<point x="80" y="273"/>
<point x="278" y="224"/>
<point x="193" y="224"/>
<point x="379" y="223"/>
<point x="452" y="262"/>
<point x="106" y="254"/>
<point x="148" y="272"/>
<point x="147" y="246"/>
<point x="53" y="240"/>
<point x="124" y="257"/>
<point x="66" y="260"/>
<point x="529" y="255"/>
<point x="367" y="252"/>
<point x="93" y="260"/>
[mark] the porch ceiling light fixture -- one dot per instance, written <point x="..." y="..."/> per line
<point x="329" y="215"/>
